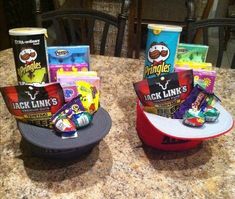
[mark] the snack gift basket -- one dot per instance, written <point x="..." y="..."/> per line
<point x="57" y="117"/>
<point x="183" y="93"/>
<point x="171" y="135"/>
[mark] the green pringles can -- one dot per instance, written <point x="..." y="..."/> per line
<point x="30" y="55"/>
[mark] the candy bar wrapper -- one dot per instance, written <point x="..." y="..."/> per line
<point x="204" y="78"/>
<point x="191" y="53"/>
<point x="68" y="58"/>
<point x="198" y="100"/>
<point x="34" y="104"/>
<point x="162" y="95"/>
<point x="74" y="106"/>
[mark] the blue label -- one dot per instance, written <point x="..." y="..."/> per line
<point x="160" y="52"/>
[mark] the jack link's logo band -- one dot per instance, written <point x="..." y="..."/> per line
<point x="157" y="56"/>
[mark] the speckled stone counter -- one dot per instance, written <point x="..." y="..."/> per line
<point x="119" y="167"/>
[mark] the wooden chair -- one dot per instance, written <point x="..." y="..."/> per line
<point x="222" y="25"/>
<point x="79" y="26"/>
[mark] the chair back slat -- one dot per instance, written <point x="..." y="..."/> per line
<point x="221" y="46"/>
<point x="205" y="36"/>
<point x="60" y="31"/>
<point x="104" y="38"/>
<point x="71" y="30"/>
<point x="90" y="24"/>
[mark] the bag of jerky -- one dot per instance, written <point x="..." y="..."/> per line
<point x="162" y="95"/>
<point x="34" y="104"/>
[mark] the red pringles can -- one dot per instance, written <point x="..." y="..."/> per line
<point x="30" y="54"/>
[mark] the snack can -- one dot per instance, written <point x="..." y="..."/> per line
<point x="161" y="46"/>
<point x="29" y="48"/>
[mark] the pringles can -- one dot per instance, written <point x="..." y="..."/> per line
<point x="30" y="54"/>
<point x="161" y="46"/>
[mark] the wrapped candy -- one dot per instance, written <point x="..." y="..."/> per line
<point x="63" y="124"/>
<point x="71" y="117"/>
<point x="194" y="118"/>
<point x="211" y="114"/>
<point x="81" y="119"/>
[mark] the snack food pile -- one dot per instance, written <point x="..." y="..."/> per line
<point x="56" y="87"/>
<point x="185" y="91"/>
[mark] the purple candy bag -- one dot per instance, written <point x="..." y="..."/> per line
<point x="196" y="100"/>
<point x="74" y="106"/>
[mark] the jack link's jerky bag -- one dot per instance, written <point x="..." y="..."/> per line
<point x="33" y="105"/>
<point x="162" y="95"/>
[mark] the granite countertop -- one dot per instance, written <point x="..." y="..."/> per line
<point x="119" y="167"/>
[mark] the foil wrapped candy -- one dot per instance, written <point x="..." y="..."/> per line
<point x="198" y="108"/>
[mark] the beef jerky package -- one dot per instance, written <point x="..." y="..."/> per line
<point x="33" y="104"/>
<point x="162" y="95"/>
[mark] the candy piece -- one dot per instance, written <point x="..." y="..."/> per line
<point x="194" y="121"/>
<point x="211" y="114"/>
<point x="82" y="119"/>
<point x="162" y="95"/>
<point x="193" y="113"/>
<point x="194" y="118"/>
<point x="34" y="104"/>
<point x="63" y="124"/>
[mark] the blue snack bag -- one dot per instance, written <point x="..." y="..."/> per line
<point x="162" y="41"/>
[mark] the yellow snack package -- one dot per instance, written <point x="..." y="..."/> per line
<point x="89" y="95"/>
<point x="194" y="65"/>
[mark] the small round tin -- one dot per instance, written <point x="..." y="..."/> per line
<point x="30" y="54"/>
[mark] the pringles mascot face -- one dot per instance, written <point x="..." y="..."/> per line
<point x="158" y="53"/>
<point x="28" y="55"/>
